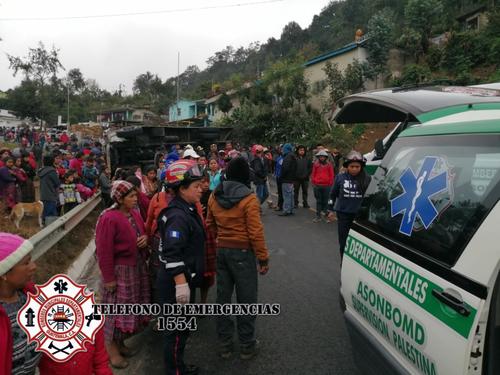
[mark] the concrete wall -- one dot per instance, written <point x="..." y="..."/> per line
<point x="219" y="115"/>
<point x="316" y="76"/>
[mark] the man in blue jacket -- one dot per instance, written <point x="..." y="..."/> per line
<point x="288" y="177"/>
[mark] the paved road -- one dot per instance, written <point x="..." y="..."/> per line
<point x="308" y="337"/>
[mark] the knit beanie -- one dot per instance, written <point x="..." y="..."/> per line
<point x="12" y="249"/>
<point x="238" y="170"/>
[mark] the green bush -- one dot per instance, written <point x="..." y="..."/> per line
<point x="466" y="50"/>
<point x="414" y="74"/>
<point x="495" y="77"/>
<point x="494" y="53"/>
<point x="434" y="57"/>
<point x="339" y="137"/>
<point x="358" y="130"/>
<point x="465" y="79"/>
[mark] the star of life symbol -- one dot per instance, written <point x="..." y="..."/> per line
<point x="415" y="201"/>
<point x="60" y="318"/>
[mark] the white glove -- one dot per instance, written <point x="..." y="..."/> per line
<point x="182" y="293"/>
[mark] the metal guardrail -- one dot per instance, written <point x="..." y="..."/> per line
<point x="54" y="232"/>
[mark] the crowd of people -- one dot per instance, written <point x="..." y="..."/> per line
<point x="190" y="220"/>
<point x="67" y="171"/>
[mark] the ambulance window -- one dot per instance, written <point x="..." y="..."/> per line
<point x="432" y="193"/>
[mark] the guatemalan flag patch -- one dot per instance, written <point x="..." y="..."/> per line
<point x="175" y="234"/>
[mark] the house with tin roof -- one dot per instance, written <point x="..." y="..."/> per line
<point x="316" y="77"/>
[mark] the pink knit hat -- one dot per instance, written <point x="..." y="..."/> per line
<point x="12" y="249"/>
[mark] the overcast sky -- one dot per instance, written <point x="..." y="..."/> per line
<point x="115" y="50"/>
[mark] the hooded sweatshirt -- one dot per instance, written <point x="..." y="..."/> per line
<point x="289" y="167"/>
<point x="234" y="219"/>
<point x="347" y="193"/>
<point x="49" y="184"/>
<point x="322" y="174"/>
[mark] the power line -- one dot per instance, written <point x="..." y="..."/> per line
<point x="141" y="13"/>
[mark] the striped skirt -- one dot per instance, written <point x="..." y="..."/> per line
<point x="132" y="287"/>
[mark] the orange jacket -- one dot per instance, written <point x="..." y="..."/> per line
<point x="239" y="227"/>
<point x="156" y="204"/>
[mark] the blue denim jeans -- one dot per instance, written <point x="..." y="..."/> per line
<point x="287" y="189"/>
<point x="262" y="192"/>
<point x="49" y="209"/>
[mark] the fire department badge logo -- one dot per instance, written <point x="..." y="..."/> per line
<point x="60" y="318"/>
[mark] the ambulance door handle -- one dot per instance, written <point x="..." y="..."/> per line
<point x="453" y="302"/>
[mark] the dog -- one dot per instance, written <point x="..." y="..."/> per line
<point x="30" y="209"/>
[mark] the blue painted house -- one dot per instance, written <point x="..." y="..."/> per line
<point x="188" y="112"/>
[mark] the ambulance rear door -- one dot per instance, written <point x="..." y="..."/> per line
<point x="402" y="295"/>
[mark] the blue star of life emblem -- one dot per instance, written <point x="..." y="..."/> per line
<point x="415" y="200"/>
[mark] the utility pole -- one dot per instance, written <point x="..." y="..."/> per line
<point x="67" y="118"/>
<point x="178" y="85"/>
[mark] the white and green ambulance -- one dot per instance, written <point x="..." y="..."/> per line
<point x="420" y="274"/>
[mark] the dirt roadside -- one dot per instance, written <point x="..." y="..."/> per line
<point x="63" y="254"/>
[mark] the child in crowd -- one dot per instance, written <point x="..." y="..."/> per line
<point x="347" y="194"/>
<point x="85" y="192"/>
<point x="161" y="168"/>
<point x="222" y="159"/>
<point x="90" y="174"/>
<point x="150" y="182"/>
<point x="214" y="173"/>
<point x="69" y="197"/>
<point x="202" y="162"/>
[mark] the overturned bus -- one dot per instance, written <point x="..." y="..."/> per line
<point x="137" y="145"/>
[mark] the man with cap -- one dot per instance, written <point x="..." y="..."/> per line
<point x="189" y="153"/>
<point x="234" y="219"/>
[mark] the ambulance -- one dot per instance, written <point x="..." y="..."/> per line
<point x="420" y="274"/>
